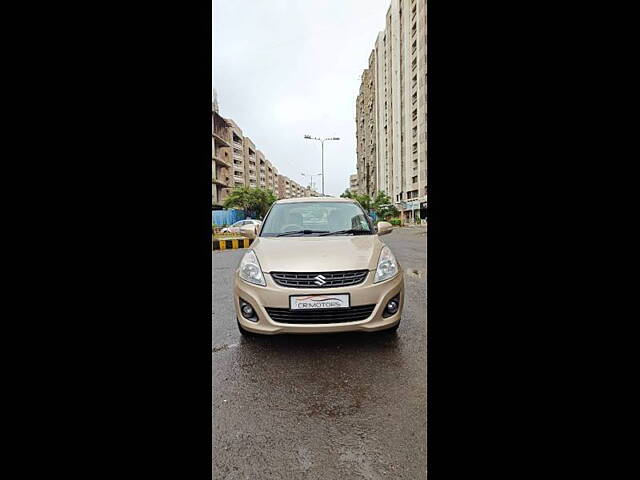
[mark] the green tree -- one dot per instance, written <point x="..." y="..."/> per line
<point x="262" y="199"/>
<point x="383" y="207"/>
<point x="254" y="201"/>
<point x="363" y="199"/>
<point x="240" y="197"/>
<point x="346" y="194"/>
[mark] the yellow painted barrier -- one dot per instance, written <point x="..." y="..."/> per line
<point x="230" y="244"/>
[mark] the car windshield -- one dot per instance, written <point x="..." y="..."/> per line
<point x="316" y="218"/>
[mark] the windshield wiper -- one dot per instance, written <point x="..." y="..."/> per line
<point x="351" y="231"/>
<point x="304" y="232"/>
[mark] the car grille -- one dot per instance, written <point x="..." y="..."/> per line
<point x="310" y="280"/>
<point x="336" y="315"/>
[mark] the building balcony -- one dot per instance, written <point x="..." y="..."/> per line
<point x="238" y="178"/>
<point x="219" y="140"/>
<point x="220" y="183"/>
<point x="220" y="161"/>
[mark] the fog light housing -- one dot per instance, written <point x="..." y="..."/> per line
<point x="392" y="307"/>
<point x="247" y="311"/>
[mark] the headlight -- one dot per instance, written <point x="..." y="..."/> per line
<point x="250" y="270"/>
<point x="387" y="266"/>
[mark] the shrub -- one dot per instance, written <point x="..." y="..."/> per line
<point x="395" y="221"/>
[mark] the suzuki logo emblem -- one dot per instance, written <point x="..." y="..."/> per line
<point x="320" y="280"/>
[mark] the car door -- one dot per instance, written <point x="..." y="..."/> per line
<point x="235" y="228"/>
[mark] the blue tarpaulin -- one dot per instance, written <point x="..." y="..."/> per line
<point x="227" y="217"/>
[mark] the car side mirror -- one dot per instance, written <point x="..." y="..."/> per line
<point x="384" y="228"/>
<point x="248" y="231"/>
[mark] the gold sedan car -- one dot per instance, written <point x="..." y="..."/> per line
<point x="318" y="266"/>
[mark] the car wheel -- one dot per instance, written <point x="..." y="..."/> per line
<point x="244" y="332"/>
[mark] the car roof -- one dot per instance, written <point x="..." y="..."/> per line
<point x="315" y="199"/>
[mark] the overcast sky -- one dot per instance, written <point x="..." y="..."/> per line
<point x="285" y="68"/>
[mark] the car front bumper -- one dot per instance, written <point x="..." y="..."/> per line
<point x="273" y="295"/>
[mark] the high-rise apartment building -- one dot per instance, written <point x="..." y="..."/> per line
<point x="392" y="132"/>
<point x="353" y="183"/>
<point x="366" y="130"/>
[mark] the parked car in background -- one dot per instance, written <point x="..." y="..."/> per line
<point x="235" y="228"/>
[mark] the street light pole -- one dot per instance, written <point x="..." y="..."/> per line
<point x="321" y="140"/>
<point x="322" y="147"/>
<point x="311" y="175"/>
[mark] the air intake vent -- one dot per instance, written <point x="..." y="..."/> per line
<point x="337" y="315"/>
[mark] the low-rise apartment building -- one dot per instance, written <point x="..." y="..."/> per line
<point x="221" y="160"/>
<point x="236" y="162"/>
<point x="288" y="188"/>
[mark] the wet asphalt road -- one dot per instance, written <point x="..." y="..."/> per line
<point x="342" y="406"/>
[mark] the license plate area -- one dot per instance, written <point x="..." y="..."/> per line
<point x="319" y="302"/>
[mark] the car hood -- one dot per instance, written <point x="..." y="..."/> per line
<point x="317" y="254"/>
